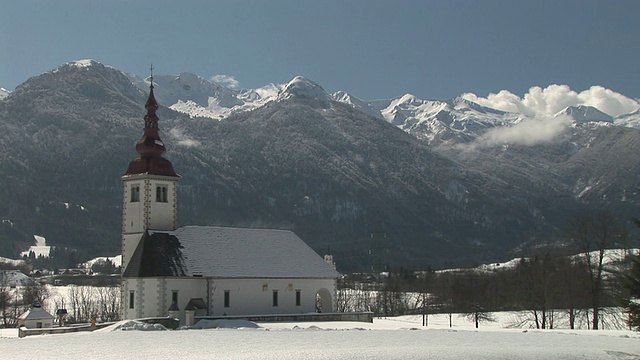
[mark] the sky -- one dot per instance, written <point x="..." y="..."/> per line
<point x="373" y="49"/>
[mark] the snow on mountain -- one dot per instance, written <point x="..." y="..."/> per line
<point x="303" y="88"/>
<point x="82" y="64"/>
<point x="199" y="97"/>
<point x="4" y="93"/>
<point x="12" y="262"/>
<point x="629" y="120"/>
<point x="40" y="249"/>
<point x="372" y="108"/>
<point x="584" y="113"/>
<point x="435" y="121"/>
<point x="116" y="260"/>
<point x="267" y="92"/>
<point x="13" y="278"/>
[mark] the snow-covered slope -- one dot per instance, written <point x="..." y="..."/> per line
<point x="630" y="120"/>
<point x="583" y="113"/>
<point x="372" y="108"/>
<point x="13" y="278"/>
<point x="12" y="262"/>
<point x="434" y="120"/>
<point x="303" y="88"/>
<point x="4" y="93"/>
<point x="199" y="97"/>
<point x="460" y="119"/>
<point x="116" y="260"/>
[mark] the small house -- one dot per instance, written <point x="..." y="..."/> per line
<point x="36" y="318"/>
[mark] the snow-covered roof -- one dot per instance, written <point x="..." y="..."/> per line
<point x="35" y="313"/>
<point x="211" y="251"/>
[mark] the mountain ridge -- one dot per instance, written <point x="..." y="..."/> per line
<point x="325" y="169"/>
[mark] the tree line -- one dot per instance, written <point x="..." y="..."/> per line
<point x="580" y="288"/>
<point x="82" y="303"/>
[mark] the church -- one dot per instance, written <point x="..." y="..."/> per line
<point x="192" y="271"/>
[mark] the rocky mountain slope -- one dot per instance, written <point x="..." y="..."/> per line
<point x="443" y="181"/>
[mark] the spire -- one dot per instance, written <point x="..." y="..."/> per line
<point x="151" y="119"/>
<point x="150" y="146"/>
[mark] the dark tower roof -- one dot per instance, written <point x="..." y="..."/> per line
<point x="150" y="147"/>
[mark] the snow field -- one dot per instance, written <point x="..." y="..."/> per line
<point x="392" y="338"/>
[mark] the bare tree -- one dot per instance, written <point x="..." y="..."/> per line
<point x="631" y="299"/>
<point x="109" y="303"/>
<point x="594" y="234"/>
<point x="5" y="299"/>
<point x="478" y="315"/>
<point x="33" y="292"/>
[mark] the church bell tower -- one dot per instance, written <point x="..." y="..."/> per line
<point x="150" y="184"/>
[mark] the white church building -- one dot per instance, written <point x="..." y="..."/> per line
<point x="192" y="271"/>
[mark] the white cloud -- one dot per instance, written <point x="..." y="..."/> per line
<point x="545" y="102"/>
<point x="182" y="139"/>
<point x="227" y="81"/>
<point x="530" y="131"/>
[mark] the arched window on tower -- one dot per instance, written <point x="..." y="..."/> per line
<point x="161" y="194"/>
<point x="135" y="193"/>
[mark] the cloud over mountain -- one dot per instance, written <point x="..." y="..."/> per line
<point x="226" y="80"/>
<point x="182" y="139"/>
<point x="554" y="98"/>
<point x="530" y="131"/>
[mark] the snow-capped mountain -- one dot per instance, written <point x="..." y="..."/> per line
<point x="303" y="88"/>
<point x="4" y="93"/>
<point x="583" y="113"/>
<point x="372" y="108"/>
<point x="199" y="97"/>
<point x="334" y="171"/>
<point x="457" y="120"/>
<point x="629" y="120"/>
<point x="434" y="121"/>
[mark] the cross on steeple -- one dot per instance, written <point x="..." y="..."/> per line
<point x="151" y="70"/>
<point x="150" y="146"/>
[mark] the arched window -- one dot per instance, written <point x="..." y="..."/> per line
<point x="162" y="194"/>
<point x="135" y="193"/>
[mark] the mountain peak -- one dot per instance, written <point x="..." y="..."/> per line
<point x="84" y="63"/>
<point x="81" y="64"/>
<point x="584" y="113"/>
<point x="303" y="88"/>
<point x="4" y="93"/>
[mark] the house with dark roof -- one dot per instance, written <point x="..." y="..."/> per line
<point x="192" y="271"/>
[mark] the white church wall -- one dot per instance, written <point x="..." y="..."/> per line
<point x="133" y="211"/>
<point x="255" y="296"/>
<point x="163" y="210"/>
<point x="153" y="296"/>
<point x="187" y="289"/>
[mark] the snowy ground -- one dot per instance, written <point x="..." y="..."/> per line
<point x="391" y="338"/>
